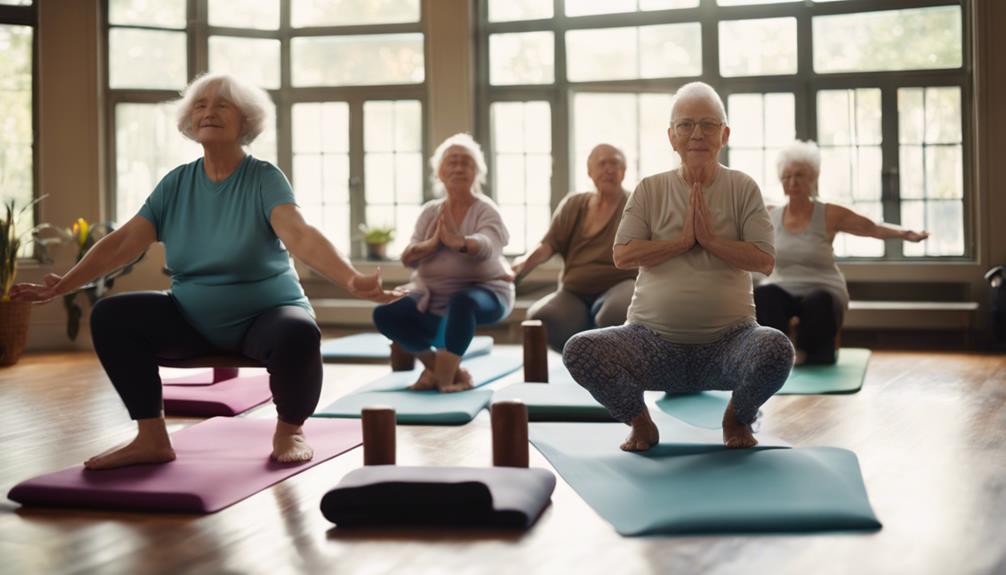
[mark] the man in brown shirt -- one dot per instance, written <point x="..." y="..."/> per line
<point x="592" y="291"/>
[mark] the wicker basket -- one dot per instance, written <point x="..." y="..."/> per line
<point x="14" y="318"/>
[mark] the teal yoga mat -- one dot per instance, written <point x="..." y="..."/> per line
<point x="690" y="483"/>
<point x="561" y="401"/>
<point x="375" y="347"/>
<point x="846" y="376"/>
<point x="705" y="409"/>
<point x="429" y="407"/>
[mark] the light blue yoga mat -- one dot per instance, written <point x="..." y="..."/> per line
<point x="561" y="401"/>
<point x="376" y="347"/>
<point x="429" y="407"/>
<point x="690" y="483"/>
<point x="705" y="409"/>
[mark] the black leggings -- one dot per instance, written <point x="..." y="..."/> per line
<point x="820" y="316"/>
<point x="130" y="331"/>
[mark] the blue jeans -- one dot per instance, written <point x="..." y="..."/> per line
<point x="402" y="322"/>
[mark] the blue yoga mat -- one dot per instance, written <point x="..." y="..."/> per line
<point x="560" y="401"/>
<point x="375" y="347"/>
<point x="429" y="407"/>
<point x="690" y="483"/>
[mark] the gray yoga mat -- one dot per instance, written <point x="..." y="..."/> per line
<point x="690" y="483"/>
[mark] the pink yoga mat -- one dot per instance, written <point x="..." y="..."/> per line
<point x="220" y="462"/>
<point x="182" y="376"/>
<point x="229" y="397"/>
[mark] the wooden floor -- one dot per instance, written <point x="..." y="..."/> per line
<point x="929" y="430"/>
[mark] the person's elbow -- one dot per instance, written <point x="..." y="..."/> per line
<point x="621" y="259"/>
<point x="766" y="265"/>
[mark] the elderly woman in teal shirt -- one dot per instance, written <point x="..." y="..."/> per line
<point x="229" y="223"/>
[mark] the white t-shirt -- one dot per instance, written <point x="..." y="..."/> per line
<point x="695" y="296"/>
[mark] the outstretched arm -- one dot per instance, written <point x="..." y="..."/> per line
<point x="842" y="219"/>
<point x="111" y="252"/>
<point x="310" y="246"/>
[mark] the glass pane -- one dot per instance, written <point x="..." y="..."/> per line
<point x="509" y="179"/>
<point x="379" y="126"/>
<point x="357" y="60"/>
<point x="868" y="172"/>
<point x="835" y="181"/>
<point x="944" y="172"/>
<point x="758" y="47"/>
<point x="264" y="146"/>
<point x="256" y="14"/>
<point x="911" y="116"/>
<point x="945" y="222"/>
<point x="538" y="179"/>
<point x="16" y="137"/>
<point x="305" y="13"/>
<point x="915" y="39"/>
<point x="586" y="7"/>
<point x="760" y="125"/>
<point x="409" y="178"/>
<point x="515" y="218"/>
<point x="253" y="59"/>
<point x="609" y="119"/>
<point x="912" y="172"/>
<point x="321" y="127"/>
<point x="522" y="58"/>
<point x="16" y="2"/>
<point x="147" y="146"/>
<point x="379" y="171"/>
<point x="146" y="59"/>
<point x="408" y="126"/>
<point x="655" y="153"/>
<point x="509" y="10"/>
<point x="537" y="127"/>
<point x="849" y="117"/>
<point x="607" y="54"/>
<point x="164" y="14"/>
<point x="670" y="50"/>
<point x="943" y="115"/>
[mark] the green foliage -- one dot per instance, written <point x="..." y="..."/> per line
<point x="10" y="244"/>
<point x="377" y="234"/>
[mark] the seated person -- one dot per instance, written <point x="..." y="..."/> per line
<point x="806" y="282"/>
<point x="461" y="278"/>
<point x="592" y="291"/>
<point x="694" y="233"/>
<point x="227" y="221"/>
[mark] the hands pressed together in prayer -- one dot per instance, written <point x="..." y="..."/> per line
<point x="698" y="227"/>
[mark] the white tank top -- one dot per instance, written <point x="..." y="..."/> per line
<point x="805" y="261"/>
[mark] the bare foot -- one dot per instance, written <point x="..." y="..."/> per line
<point x="736" y="435"/>
<point x="425" y="381"/>
<point x="462" y="381"/>
<point x="151" y="445"/>
<point x="644" y="434"/>
<point x="289" y="444"/>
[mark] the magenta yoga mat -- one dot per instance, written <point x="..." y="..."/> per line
<point x="229" y="397"/>
<point x="219" y="462"/>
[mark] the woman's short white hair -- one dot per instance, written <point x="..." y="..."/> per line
<point x="472" y="148"/>
<point x="699" y="91"/>
<point x="251" y="101"/>
<point x="800" y="152"/>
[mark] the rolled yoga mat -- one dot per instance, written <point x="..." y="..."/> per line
<point x="226" y="398"/>
<point x="363" y="347"/>
<point x="690" y="483"/>
<point x="219" y="462"/>
<point x="429" y="407"/>
<point x="389" y="495"/>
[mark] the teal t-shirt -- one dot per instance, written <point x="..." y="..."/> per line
<point x="227" y="264"/>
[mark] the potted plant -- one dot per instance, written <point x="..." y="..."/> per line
<point x="14" y="315"/>
<point x="377" y="239"/>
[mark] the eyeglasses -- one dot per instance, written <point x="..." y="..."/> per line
<point x="685" y="128"/>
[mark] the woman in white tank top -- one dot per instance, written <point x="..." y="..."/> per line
<point x="806" y="282"/>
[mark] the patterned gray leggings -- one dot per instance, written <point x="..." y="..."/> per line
<point x="616" y="364"/>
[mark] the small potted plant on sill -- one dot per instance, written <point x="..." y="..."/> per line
<point x="377" y="239"/>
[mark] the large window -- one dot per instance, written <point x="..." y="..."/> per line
<point x="347" y="83"/>
<point x="881" y="86"/>
<point x="17" y="134"/>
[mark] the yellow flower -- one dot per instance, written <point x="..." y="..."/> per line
<point x="80" y="230"/>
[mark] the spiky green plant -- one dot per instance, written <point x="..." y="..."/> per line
<point x="11" y="242"/>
